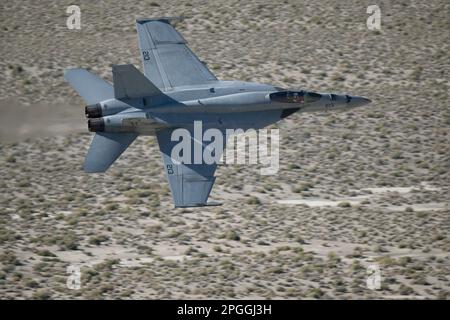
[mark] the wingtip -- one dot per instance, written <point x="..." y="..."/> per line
<point x="90" y="166"/>
<point x="67" y="74"/>
<point x="164" y="19"/>
<point x="92" y="170"/>
<point x="69" y="71"/>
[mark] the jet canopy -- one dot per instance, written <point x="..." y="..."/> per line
<point x="294" y="97"/>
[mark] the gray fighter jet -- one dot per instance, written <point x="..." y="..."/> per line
<point x="175" y="90"/>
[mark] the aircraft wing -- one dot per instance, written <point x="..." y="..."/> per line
<point x="190" y="183"/>
<point x="168" y="61"/>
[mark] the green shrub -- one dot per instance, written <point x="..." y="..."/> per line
<point x="232" y="235"/>
<point x="405" y="290"/>
<point x="68" y="242"/>
<point x="305" y="186"/>
<point x="253" y="200"/>
<point x="344" y="204"/>
<point x="315" y="293"/>
<point x="41" y="294"/>
<point x="45" y="253"/>
<point x="97" y="240"/>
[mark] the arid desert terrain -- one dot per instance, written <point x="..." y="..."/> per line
<point x="359" y="188"/>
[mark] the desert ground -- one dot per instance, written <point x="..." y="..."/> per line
<point x="358" y="188"/>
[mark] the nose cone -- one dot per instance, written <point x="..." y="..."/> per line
<point x="356" y="101"/>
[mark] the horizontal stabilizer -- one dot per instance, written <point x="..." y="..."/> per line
<point x="105" y="149"/>
<point x="130" y="83"/>
<point x="89" y="86"/>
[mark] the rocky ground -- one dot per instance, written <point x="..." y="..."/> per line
<point x="369" y="186"/>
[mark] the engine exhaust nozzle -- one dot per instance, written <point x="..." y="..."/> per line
<point x="93" y="110"/>
<point x="96" y="125"/>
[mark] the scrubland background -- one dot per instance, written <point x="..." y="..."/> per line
<point x="369" y="186"/>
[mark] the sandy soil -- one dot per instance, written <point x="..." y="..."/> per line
<point x="355" y="188"/>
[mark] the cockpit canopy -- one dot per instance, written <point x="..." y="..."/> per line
<point x="295" y="97"/>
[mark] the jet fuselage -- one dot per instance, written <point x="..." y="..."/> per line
<point x="217" y="104"/>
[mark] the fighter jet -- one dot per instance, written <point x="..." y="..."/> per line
<point x="176" y="90"/>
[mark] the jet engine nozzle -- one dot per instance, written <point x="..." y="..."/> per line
<point x="93" y="110"/>
<point x="96" y="125"/>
